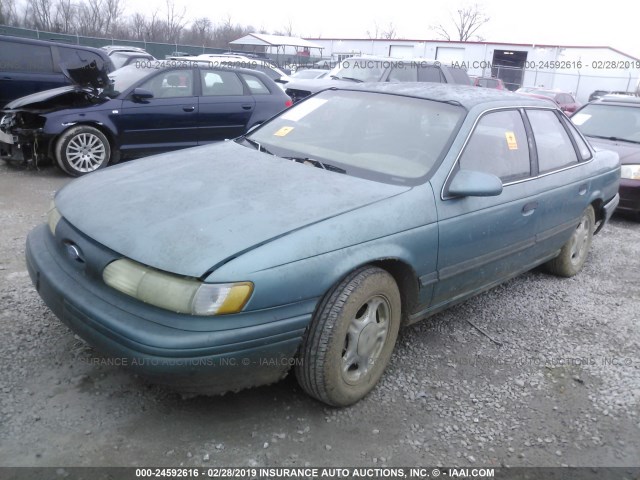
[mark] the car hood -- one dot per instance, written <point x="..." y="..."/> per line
<point x="85" y="73"/>
<point x="628" y="152"/>
<point x="39" y="97"/>
<point x="190" y="211"/>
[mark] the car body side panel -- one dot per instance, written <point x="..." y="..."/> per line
<point x="223" y="116"/>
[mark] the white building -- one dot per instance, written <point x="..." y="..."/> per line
<point x="576" y="69"/>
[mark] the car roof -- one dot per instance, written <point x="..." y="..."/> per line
<point x="619" y="100"/>
<point x="467" y="96"/>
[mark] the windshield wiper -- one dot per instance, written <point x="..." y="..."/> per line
<point x="317" y="163"/>
<point x="256" y="145"/>
<point x="357" y="80"/>
<point x="613" y="139"/>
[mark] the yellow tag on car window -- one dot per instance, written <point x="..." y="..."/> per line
<point x="283" y="131"/>
<point x="511" y="140"/>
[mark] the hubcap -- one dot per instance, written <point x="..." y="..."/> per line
<point x="85" y="152"/>
<point x="579" y="241"/>
<point x="365" y="338"/>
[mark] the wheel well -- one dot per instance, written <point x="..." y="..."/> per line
<point x="107" y="133"/>
<point x="407" y="281"/>
<point x="599" y="211"/>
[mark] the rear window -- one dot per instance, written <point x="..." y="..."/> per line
<point x="24" y="57"/>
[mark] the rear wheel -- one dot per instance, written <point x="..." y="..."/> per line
<point x="81" y="150"/>
<point x="351" y="338"/>
<point x="574" y="252"/>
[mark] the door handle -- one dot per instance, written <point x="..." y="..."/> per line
<point x="529" y="208"/>
<point x="189" y="109"/>
<point x="582" y="189"/>
<point x="247" y="107"/>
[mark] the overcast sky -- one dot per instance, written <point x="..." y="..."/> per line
<point x="613" y="23"/>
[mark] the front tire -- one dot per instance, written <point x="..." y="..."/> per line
<point x="81" y="150"/>
<point x="574" y="253"/>
<point x="351" y="337"/>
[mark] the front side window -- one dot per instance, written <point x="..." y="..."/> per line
<point x="355" y="132"/>
<point x="553" y="144"/>
<point x="172" y="83"/>
<point x="498" y="145"/>
<point x="405" y="73"/>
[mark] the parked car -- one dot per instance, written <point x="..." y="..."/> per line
<point x="121" y="56"/>
<point x="597" y="94"/>
<point x="29" y="66"/>
<point x="310" y="240"/>
<point x="379" y="69"/>
<point x="613" y="122"/>
<point x="309" y="73"/>
<point x="564" y="100"/>
<point x="146" y="109"/>
<point x="488" y="82"/>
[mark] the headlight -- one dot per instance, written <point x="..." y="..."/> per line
<point x="630" y="171"/>
<point x="176" y="293"/>
<point x="53" y="217"/>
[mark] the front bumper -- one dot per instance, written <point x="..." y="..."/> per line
<point x="194" y="354"/>
<point x="629" y="195"/>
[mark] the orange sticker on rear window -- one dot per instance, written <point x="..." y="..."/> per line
<point x="511" y="140"/>
<point x="283" y="131"/>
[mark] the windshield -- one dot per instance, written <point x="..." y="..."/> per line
<point x="379" y="136"/>
<point x="359" y="69"/>
<point x="125" y="77"/>
<point x="617" y="121"/>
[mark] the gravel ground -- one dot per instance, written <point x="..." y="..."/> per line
<point x="553" y="380"/>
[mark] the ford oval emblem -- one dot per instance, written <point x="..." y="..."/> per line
<point x="74" y="252"/>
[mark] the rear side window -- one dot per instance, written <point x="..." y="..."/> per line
<point x="499" y="146"/>
<point x="553" y="144"/>
<point x="23" y="57"/>
<point x="216" y="83"/>
<point x="406" y="73"/>
<point x="255" y="85"/>
<point x="431" y="74"/>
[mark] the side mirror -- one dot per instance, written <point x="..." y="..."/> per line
<point x="281" y="80"/>
<point x="469" y="183"/>
<point x="141" y="94"/>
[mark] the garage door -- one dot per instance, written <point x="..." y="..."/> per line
<point x="450" y="54"/>
<point x="401" y="51"/>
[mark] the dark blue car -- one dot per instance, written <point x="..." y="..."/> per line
<point x="149" y="107"/>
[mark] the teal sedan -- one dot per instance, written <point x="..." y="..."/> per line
<point x="306" y="244"/>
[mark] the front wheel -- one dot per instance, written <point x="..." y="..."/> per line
<point x="574" y="253"/>
<point x="81" y="150"/>
<point x="349" y="342"/>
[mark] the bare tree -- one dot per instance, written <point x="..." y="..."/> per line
<point x="138" y="26"/>
<point x="390" y="32"/>
<point x="466" y="22"/>
<point x="8" y="12"/>
<point x="40" y="14"/>
<point x="64" y="19"/>
<point x="375" y="32"/>
<point x="286" y="30"/>
<point x="175" y="22"/>
<point x="113" y="10"/>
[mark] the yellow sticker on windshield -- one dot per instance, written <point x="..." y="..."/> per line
<point x="511" y="140"/>
<point x="283" y="131"/>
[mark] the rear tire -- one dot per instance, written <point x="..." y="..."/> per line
<point x="81" y="150"/>
<point x="574" y="253"/>
<point x="351" y="337"/>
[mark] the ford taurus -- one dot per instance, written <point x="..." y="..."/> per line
<point x="310" y="240"/>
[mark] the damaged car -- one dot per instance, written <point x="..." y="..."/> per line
<point x="137" y="110"/>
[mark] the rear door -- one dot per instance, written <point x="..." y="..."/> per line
<point x="564" y="191"/>
<point x="167" y="121"/>
<point x="225" y="106"/>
